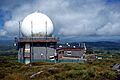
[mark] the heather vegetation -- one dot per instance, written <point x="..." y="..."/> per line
<point x="91" y="70"/>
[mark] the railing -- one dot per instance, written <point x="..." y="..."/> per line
<point x="36" y="38"/>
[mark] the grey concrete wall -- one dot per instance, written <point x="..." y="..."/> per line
<point x="40" y="52"/>
<point x="20" y="54"/>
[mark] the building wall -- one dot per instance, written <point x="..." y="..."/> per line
<point x="73" y="53"/>
<point x="34" y="48"/>
<point x="38" y="53"/>
<point x="20" y="54"/>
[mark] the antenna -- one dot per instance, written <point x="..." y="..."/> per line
<point x="46" y="29"/>
<point x="31" y="54"/>
<point x="19" y="41"/>
<point x="46" y="38"/>
<point x="79" y="45"/>
<point x="19" y="30"/>
<point x="85" y="47"/>
<point x="31" y="29"/>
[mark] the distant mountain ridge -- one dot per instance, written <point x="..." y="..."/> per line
<point x="6" y="42"/>
<point x="104" y="44"/>
<point x="99" y="44"/>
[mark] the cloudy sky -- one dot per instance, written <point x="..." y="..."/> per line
<point x="84" y="20"/>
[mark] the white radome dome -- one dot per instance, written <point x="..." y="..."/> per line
<point x="35" y="24"/>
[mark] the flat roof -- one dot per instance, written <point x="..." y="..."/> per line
<point x="71" y="49"/>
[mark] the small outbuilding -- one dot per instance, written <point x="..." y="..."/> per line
<point x="71" y="53"/>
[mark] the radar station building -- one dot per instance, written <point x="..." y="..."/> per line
<point x="35" y="41"/>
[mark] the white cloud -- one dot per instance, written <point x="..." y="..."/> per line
<point x="11" y="27"/>
<point x="71" y="17"/>
<point x="2" y="32"/>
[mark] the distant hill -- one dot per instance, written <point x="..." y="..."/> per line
<point x="8" y="44"/>
<point x="100" y="45"/>
<point x="104" y="44"/>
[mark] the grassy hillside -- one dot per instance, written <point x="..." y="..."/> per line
<point x="97" y="70"/>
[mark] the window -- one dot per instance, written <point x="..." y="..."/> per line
<point x="69" y="52"/>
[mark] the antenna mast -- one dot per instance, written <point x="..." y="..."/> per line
<point x="19" y="41"/>
<point x="31" y="54"/>
<point x="19" y="30"/>
<point x="85" y="47"/>
<point x="46" y="38"/>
